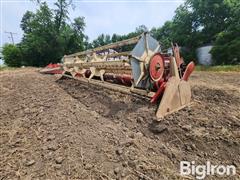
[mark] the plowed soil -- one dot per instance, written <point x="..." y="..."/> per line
<point x="63" y="129"/>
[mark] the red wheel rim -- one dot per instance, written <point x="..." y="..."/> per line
<point x="156" y="67"/>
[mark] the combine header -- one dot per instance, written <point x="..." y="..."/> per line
<point x="135" y="66"/>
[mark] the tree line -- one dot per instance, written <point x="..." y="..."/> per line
<point x="50" y="33"/>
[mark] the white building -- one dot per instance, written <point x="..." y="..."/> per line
<point x="204" y="56"/>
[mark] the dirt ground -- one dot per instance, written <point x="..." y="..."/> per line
<point x="67" y="130"/>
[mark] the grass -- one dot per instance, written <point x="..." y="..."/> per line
<point x="4" y="68"/>
<point x="224" y="68"/>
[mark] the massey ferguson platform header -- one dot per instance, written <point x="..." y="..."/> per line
<point x="144" y="71"/>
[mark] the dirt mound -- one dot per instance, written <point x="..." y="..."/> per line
<point x="67" y="130"/>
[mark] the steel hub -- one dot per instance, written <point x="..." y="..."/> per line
<point x="156" y="67"/>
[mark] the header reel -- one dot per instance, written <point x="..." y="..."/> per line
<point x="141" y="69"/>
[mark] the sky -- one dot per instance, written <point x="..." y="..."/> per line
<point x="101" y="16"/>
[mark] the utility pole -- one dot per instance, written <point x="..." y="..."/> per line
<point x="0" y="54"/>
<point x="11" y="35"/>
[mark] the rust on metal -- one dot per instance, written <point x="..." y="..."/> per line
<point x="145" y="71"/>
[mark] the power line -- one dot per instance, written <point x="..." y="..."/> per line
<point x="11" y="35"/>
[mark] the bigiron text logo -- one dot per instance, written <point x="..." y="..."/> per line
<point x="208" y="169"/>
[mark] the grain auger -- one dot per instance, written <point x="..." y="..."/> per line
<point x="135" y="66"/>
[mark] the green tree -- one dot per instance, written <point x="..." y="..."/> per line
<point x="116" y="38"/>
<point x="48" y="36"/>
<point x="211" y="16"/>
<point x="164" y="34"/>
<point x="226" y="46"/>
<point x="200" y="22"/>
<point x="12" y="55"/>
<point x="75" y="38"/>
<point x="40" y="44"/>
<point x="61" y="13"/>
<point x="101" y="40"/>
<point x="141" y="29"/>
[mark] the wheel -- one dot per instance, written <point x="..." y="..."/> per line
<point x="156" y="67"/>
